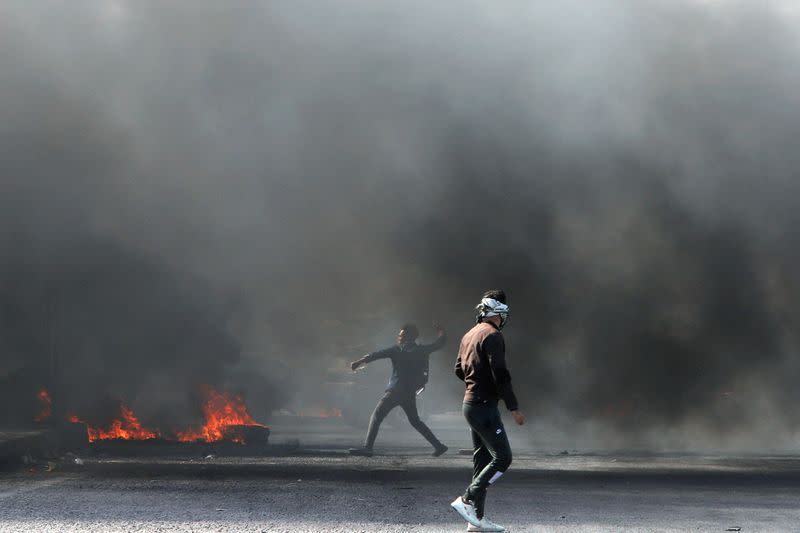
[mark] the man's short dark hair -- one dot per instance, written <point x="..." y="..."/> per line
<point x="411" y="331"/>
<point x="496" y="294"/>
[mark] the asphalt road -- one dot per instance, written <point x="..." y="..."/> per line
<point x="403" y="490"/>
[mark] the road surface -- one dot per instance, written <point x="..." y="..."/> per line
<point x="403" y="490"/>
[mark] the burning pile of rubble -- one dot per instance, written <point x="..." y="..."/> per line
<point x="226" y="419"/>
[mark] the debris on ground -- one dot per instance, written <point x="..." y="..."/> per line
<point x="734" y="528"/>
<point x="565" y="452"/>
<point x="210" y="456"/>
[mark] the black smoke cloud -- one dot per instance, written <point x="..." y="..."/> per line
<point x="282" y="184"/>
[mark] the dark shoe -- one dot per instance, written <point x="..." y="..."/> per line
<point x="361" y="452"/>
<point x="439" y="450"/>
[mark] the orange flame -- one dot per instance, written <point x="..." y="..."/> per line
<point x="47" y="406"/>
<point x="127" y="427"/>
<point x="221" y="411"/>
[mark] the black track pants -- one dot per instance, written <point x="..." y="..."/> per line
<point x="491" y="452"/>
<point x="407" y="400"/>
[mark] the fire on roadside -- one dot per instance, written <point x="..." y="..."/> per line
<point x="125" y="427"/>
<point x="225" y="414"/>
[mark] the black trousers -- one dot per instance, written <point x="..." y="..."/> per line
<point x="491" y="451"/>
<point x="407" y="400"/>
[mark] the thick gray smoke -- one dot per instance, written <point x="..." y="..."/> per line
<point x="251" y="194"/>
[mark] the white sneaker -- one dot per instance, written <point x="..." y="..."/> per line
<point x="466" y="510"/>
<point x="485" y="525"/>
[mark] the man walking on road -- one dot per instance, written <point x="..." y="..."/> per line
<point x="409" y="376"/>
<point x="481" y="365"/>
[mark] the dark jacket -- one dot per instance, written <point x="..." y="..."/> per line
<point x="409" y="363"/>
<point x="481" y="365"/>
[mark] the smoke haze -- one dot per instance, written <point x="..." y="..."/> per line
<point x="251" y="194"/>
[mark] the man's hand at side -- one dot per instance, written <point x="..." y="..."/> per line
<point x="519" y="418"/>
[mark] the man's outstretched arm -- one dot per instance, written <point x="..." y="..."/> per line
<point x="374" y="356"/>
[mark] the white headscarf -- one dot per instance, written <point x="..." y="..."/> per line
<point x="491" y="307"/>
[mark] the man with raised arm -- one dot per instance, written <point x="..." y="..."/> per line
<point x="409" y="376"/>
